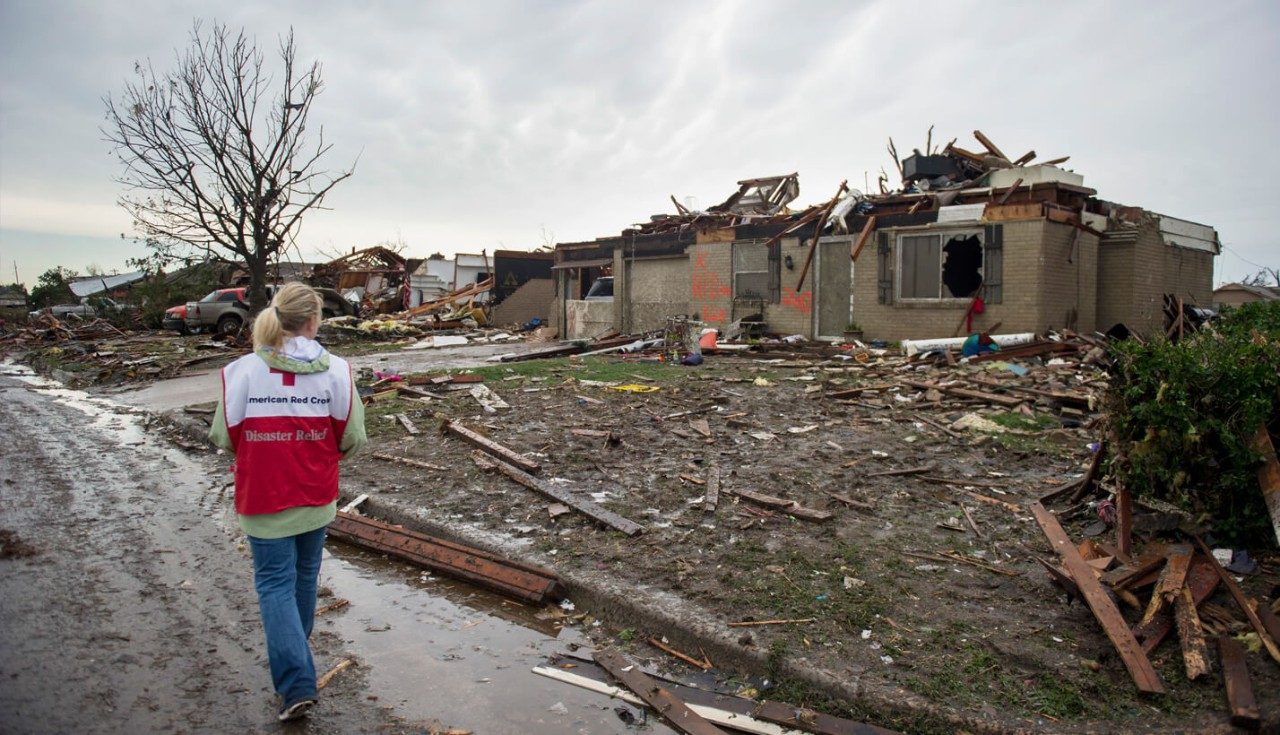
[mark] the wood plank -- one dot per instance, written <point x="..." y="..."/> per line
<point x="672" y="710"/>
<point x="1009" y="192"/>
<point x="712" y="496"/>
<point x="1268" y="475"/>
<point x="812" y="720"/>
<point x="491" y="447"/>
<point x="1195" y="652"/>
<point x="790" y="507"/>
<point x="1203" y="581"/>
<point x="865" y="236"/>
<point x="1006" y="401"/>
<point x="1175" y="572"/>
<point x="446" y="557"/>
<point x="1240" y="700"/>
<point x="406" y="461"/>
<point x="986" y="143"/>
<point x="1124" y="520"/>
<point x="817" y="235"/>
<point x="907" y="471"/>
<point x="1250" y="610"/>
<point x="407" y="424"/>
<point x="1104" y="610"/>
<point x="583" y="506"/>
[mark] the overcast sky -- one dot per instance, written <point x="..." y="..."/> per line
<point x="510" y="125"/>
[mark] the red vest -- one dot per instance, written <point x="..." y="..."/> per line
<point x="286" y="429"/>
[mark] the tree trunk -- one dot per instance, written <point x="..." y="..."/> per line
<point x="258" y="299"/>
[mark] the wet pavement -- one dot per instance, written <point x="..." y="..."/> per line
<point x="127" y="597"/>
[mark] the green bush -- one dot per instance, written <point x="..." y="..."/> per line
<point x="1181" y="416"/>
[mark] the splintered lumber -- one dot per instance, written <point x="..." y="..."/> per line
<point x="585" y="507"/>
<point x="490" y="446"/>
<point x="343" y="665"/>
<point x="407" y="424"/>
<point x="991" y="147"/>
<point x="1158" y="601"/>
<point x="1268" y="475"/>
<point x="405" y="390"/>
<point x="1203" y="581"/>
<point x="712" y="497"/>
<point x="704" y="665"/>
<point x="1108" y="616"/>
<point x="1238" y="595"/>
<point x="790" y="507"/>
<point x="906" y="471"/>
<point x="1124" y="520"/>
<point x="955" y="390"/>
<point x="406" y="460"/>
<point x="1240" y="700"/>
<point x="336" y="605"/>
<point x="674" y="711"/>
<point x="865" y="236"/>
<point x="1175" y="572"/>
<point x="456" y="560"/>
<point x="809" y="720"/>
<point x="1195" y="652"/>
<point x="1126" y="576"/>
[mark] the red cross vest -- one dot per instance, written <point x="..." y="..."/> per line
<point x="285" y="429"/>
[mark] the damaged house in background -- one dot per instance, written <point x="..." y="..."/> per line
<point x="971" y="241"/>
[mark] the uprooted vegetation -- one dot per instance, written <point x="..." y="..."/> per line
<point x="1182" y="415"/>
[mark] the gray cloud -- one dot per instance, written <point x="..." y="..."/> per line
<point x="483" y="123"/>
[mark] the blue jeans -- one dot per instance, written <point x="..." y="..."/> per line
<point x="285" y="572"/>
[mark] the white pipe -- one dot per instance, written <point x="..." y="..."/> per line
<point x="912" y="346"/>
<point x="745" y="723"/>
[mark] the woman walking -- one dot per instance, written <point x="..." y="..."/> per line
<point x="289" y="411"/>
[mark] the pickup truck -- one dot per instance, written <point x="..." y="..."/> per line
<point x="227" y="309"/>
<point x="86" y="308"/>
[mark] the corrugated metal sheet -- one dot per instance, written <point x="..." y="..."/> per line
<point x="83" y="287"/>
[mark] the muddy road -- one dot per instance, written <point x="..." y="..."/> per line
<point x="127" y="599"/>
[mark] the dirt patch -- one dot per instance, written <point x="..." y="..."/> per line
<point x="923" y="584"/>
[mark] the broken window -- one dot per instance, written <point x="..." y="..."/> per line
<point x="940" y="266"/>
<point x="751" y="267"/>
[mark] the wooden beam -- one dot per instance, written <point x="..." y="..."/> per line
<point x="1009" y="192"/>
<point x="1175" y="572"/>
<point x="986" y="143"/>
<point x="672" y="709"/>
<point x="864" y="237"/>
<point x="1024" y="159"/>
<point x="712" y="496"/>
<point x="407" y="424"/>
<point x="817" y="234"/>
<point x="1203" y="581"/>
<point x="1104" y="610"/>
<point x="585" y="507"/>
<point x="1055" y="161"/>
<point x="1268" y="475"/>
<point x="969" y="156"/>
<point x="790" y="507"/>
<point x="489" y="446"/>
<point x="1006" y="401"/>
<point x="1238" y="595"/>
<point x="1195" y="652"/>
<point x="1240" y="699"/>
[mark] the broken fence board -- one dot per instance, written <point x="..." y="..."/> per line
<point x="1203" y="581"/>
<point x="711" y="498"/>
<point x="490" y="446"/>
<point x="790" y="507"/>
<point x="585" y="507"/>
<point x="456" y="560"/>
<point x="1104" y="610"/>
<point x="1195" y="652"/>
<point x="407" y="424"/>
<point x="671" y="708"/>
<point x="1243" y="601"/>
<point x="1240" y="700"/>
<point x="1268" y="475"/>
<point x="955" y="390"/>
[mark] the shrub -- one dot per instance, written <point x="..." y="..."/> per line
<point x="1181" y="415"/>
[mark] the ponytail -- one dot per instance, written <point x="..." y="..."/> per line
<point x="293" y="306"/>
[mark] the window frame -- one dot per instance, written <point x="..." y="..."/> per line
<point x="944" y="236"/>
<point x="770" y="263"/>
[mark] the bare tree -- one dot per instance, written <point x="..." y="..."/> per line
<point x="215" y="154"/>
<point x="1264" y="277"/>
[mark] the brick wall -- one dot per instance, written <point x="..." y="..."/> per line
<point x="710" y="283"/>
<point x="658" y="288"/>
<point x="1189" y="274"/>
<point x="794" y="312"/>
<point x="1115" y="282"/>
<point x="1039" y="287"/>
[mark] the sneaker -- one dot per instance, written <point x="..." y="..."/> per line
<point x="295" y="709"/>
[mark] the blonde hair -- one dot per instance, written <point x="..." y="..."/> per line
<point x="293" y="306"/>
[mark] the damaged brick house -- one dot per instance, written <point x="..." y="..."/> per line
<point x="1030" y="243"/>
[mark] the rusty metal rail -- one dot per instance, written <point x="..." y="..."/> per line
<point x="470" y="564"/>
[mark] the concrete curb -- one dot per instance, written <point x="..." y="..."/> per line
<point x="690" y="627"/>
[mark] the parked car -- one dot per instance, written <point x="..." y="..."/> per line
<point x="88" y="306"/>
<point x="227" y="309"/>
<point x="175" y="318"/>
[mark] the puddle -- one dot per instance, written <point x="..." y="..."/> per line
<point x="438" y="648"/>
